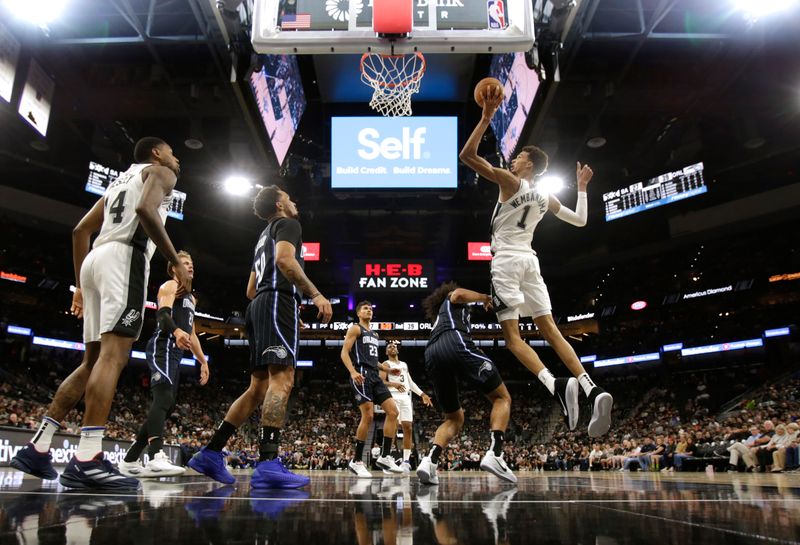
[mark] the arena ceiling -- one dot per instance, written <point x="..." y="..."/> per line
<point x="665" y="82"/>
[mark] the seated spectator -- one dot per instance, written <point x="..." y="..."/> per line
<point x="668" y="458"/>
<point x="689" y="451"/>
<point x="655" y="456"/>
<point x="595" y="457"/>
<point x="743" y="450"/>
<point x="645" y="454"/>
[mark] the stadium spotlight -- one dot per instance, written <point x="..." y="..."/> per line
<point x="762" y="8"/>
<point x="551" y="184"/>
<point x="237" y="185"/>
<point x="38" y="12"/>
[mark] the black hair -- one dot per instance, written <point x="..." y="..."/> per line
<point x="264" y="205"/>
<point x="432" y="302"/>
<point x="143" y="150"/>
<point x="361" y="304"/>
<point x="538" y="157"/>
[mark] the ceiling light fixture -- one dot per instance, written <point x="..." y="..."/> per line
<point x="237" y="186"/>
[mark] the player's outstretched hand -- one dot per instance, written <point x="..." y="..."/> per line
<point x="183" y="339"/>
<point x="492" y="98"/>
<point x="204" y="374"/>
<point x="426" y="399"/>
<point x="487" y="302"/>
<point x="400" y="388"/>
<point x="184" y="280"/>
<point x="77" y="304"/>
<point x="584" y="174"/>
<point x="325" y="310"/>
<point x="357" y="378"/>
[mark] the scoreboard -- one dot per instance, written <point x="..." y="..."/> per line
<point x="664" y="189"/>
<point x="100" y="176"/>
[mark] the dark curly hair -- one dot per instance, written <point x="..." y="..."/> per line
<point x="265" y="201"/>
<point x="538" y="157"/>
<point x="432" y="302"/>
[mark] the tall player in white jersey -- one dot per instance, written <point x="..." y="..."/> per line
<point x="518" y="289"/>
<point x="402" y="386"/>
<point x="111" y="285"/>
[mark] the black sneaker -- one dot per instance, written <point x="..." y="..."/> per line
<point x="95" y="474"/>
<point x="33" y="462"/>
<point x="602" y="402"/>
<point x="566" y="392"/>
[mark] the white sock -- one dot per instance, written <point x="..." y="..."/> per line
<point x="44" y="436"/>
<point x="586" y="383"/>
<point x="91" y="442"/>
<point x="548" y="380"/>
<point x="406" y="454"/>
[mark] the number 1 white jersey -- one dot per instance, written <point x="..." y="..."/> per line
<point x="514" y="221"/>
<point x="120" y="222"/>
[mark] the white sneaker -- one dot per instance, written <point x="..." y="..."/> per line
<point x="161" y="466"/>
<point x="131" y="469"/>
<point x="426" y="471"/>
<point x="602" y="403"/>
<point x="406" y="467"/>
<point x="497" y="466"/>
<point x="359" y="469"/>
<point x="387" y="462"/>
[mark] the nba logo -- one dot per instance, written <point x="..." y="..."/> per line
<point x="497" y="14"/>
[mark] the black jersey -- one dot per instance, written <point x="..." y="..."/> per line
<point x="183" y="316"/>
<point x="452" y="317"/>
<point x="268" y="276"/>
<point x="365" y="350"/>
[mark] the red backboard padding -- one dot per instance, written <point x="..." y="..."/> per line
<point x="392" y="16"/>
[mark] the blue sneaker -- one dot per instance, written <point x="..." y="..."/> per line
<point x="31" y="461"/>
<point x="273" y="474"/>
<point x="210" y="505"/>
<point x="211" y="463"/>
<point x="96" y="474"/>
<point x="274" y="502"/>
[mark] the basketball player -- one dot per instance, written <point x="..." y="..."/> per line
<point x="361" y="346"/>
<point x="451" y="354"/>
<point x="518" y="289"/>
<point x="175" y="322"/>
<point x="276" y="281"/>
<point x="401" y="386"/>
<point x="111" y="282"/>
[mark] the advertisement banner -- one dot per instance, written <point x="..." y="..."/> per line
<point x="479" y="251"/>
<point x="64" y="447"/>
<point x="394" y="153"/>
<point x="392" y="275"/>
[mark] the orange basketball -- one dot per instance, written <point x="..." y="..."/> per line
<point x="483" y="86"/>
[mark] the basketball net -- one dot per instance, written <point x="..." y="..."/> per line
<point x="393" y="78"/>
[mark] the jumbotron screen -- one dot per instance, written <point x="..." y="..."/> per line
<point x="658" y="191"/>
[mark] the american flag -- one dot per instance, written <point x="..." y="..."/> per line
<point x="301" y="20"/>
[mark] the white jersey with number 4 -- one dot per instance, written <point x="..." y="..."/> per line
<point x="514" y="220"/>
<point x="402" y="378"/>
<point x="120" y="222"/>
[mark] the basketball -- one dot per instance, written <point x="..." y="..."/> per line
<point x="483" y="86"/>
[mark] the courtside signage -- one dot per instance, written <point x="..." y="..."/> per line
<point x="394" y="153"/>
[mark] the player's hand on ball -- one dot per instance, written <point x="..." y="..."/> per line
<point x="492" y="98"/>
<point x="584" y="175"/>
<point x="325" y="310"/>
<point x="357" y="378"/>
<point x="77" y="304"/>
<point x="426" y="399"/>
<point x="183" y="339"/>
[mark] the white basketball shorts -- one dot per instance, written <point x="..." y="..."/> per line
<point x="518" y="289"/>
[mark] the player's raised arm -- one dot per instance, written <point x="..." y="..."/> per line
<point x="469" y="153"/>
<point x="578" y="217"/>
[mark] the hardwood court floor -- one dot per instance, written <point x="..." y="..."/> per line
<point x="466" y="508"/>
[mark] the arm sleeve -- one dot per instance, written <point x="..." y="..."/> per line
<point x="165" y="321"/>
<point x="289" y="230"/>
<point x="578" y="217"/>
<point x="413" y="386"/>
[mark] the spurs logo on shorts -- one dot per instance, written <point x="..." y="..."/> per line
<point x="279" y="351"/>
<point x="131" y="317"/>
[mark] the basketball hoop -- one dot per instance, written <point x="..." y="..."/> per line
<point x="393" y="78"/>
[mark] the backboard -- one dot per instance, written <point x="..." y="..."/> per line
<point x="345" y="26"/>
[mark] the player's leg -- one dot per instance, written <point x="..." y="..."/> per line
<point x="270" y="471"/>
<point x="408" y="438"/>
<point x="491" y="385"/>
<point x="383" y="397"/>
<point x="34" y="459"/>
<point x="367" y="410"/>
<point x="163" y="402"/>
<point x="131" y="466"/>
<point x="210" y="460"/>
